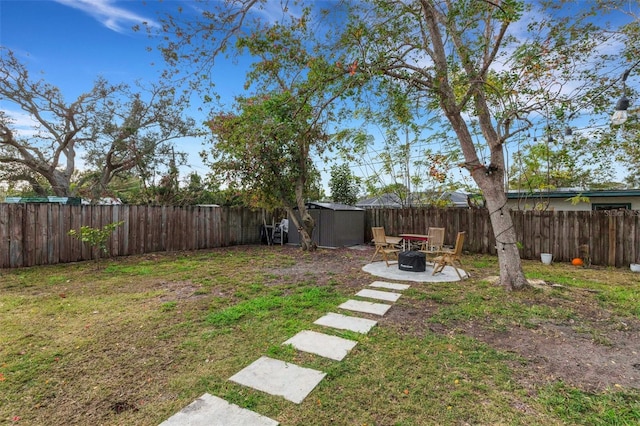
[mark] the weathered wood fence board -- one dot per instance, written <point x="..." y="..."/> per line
<point x="37" y="234"/>
<point x="613" y="237"/>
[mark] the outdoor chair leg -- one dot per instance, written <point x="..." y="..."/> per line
<point x="458" y="272"/>
<point x="386" y="258"/>
<point x="375" y="254"/>
<point x="438" y="266"/>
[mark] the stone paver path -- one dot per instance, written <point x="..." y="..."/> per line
<point x="332" y="347"/>
<point x="209" y="410"/>
<point x="366" y="307"/>
<point x="344" y="322"/>
<point x="280" y="378"/>
<point x="390" y="286"/>
<point x="379" y="295"/>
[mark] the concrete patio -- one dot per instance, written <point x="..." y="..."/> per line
<point x="380" y="269"/>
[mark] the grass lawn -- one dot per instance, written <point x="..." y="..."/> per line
<point x="139" y="339"/>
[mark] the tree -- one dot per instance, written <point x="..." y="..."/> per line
<point x="136" y="131"/>
<point x="460" y="58"/>
<point x="551" y="163"/>
<point x="416" y="181"/>
<point x="267" y="148"/>
<point x="416" y="158"/>
<point x="619" y="142"/>
<point x="199" y="191"/>
<point x="343" y="185"/>
<point x="111" y="127"/>
<point x="624" y="142"/>
<point x="264" y="150"/>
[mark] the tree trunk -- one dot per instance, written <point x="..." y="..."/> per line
<point x="304" y="228"/>
<point x="306" y="223"/>
<point x="490" y="180"/>
<point x="60" y="184"/>
<point x="306" y="232"/>
<point x="511" y="273"/>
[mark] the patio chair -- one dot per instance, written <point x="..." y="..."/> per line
<point x="435" y="242"/>
<point x="450" y="257"/>
<point x="385" y="246"/>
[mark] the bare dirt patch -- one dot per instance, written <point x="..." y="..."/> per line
<point x="559" y="352"/>
<point x="179" y="290"/>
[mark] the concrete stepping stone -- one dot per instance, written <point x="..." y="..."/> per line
<point x="275" y="377"/>
<point x="344" y="322"/>
<point x="379" y="295"/>
<point x="390" y="286"/>
<point x="332" y="347"/>
<point x="366" y="307"/>
<point x="209" y="410"/>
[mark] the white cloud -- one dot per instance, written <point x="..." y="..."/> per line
<point x="23" y="124"/>
<point x="272" y="12"/>
<point x="115" y="18"/>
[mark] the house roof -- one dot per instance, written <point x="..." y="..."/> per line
<point x="458" y="199"/>
<point x="572" y="192"/>
<point x="383" y="200"/>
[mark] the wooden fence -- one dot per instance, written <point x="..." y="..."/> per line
<point x="613" y="237"/>
<point x="37" y="234"/>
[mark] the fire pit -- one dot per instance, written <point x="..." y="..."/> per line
<point x="412" y="261"/>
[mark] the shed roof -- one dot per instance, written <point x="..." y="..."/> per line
<point x="330" y="206"/>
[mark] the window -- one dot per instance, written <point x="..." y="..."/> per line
<point x="611" y="206"/>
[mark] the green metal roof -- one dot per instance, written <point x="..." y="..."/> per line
<point x="512" y="195"/>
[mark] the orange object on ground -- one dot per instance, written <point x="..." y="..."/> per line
<point x="577" y="262"/>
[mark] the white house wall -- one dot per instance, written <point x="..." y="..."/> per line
<point x="563" y="204"/>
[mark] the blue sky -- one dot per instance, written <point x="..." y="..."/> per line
<point x="73" y="45"/>
<point x="72" y="42"/>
